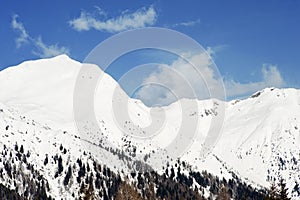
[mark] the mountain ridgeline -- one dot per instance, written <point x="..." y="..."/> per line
<point x="45" y="156"/>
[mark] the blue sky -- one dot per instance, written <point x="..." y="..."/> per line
<point x="253" y="43"/>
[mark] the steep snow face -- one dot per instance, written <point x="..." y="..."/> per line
<point x="261" y="136"/>
<point x="41" y="89"/>
<point x="33" y="154"/>
<point x="259" y="141"/>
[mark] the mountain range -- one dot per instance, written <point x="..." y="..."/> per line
<point x="54" y="147"/>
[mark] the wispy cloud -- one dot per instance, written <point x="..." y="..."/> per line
<point x="188" y="23"/>
<point x="18" y="26"/>
<point x="141" y="18"/>
<point x="44" y="50"/>
<point x="100" y="11"/>
<point x="172" y="77"/>
<point x="180" y="79"/>
<point x="41" y="49"/>
<point x="271" y="77"/>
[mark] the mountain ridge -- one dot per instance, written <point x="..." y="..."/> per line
<point x="256" y="142"/>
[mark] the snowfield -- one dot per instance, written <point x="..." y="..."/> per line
<point x="259" y="140"/>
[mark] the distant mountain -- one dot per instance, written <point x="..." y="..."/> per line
<point x="50" y="151"/>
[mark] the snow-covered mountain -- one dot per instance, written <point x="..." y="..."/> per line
<point x="44" y="146"/>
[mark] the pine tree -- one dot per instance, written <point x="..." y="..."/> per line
<point x="60" y="165"/>
<point x="22" y="149"/>
<point x="127" y="192"/>
<point x="283" y="194"/>
<point x="272" y="193"/>
<point x="68" y="176"/>
<point x="296" y="188"/>
<point x="46" y="160"/>
<point x="223" y="194"/>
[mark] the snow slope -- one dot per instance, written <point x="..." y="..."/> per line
<point x="259" y="140"/>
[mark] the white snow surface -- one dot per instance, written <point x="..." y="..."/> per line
<point x="260" y="138"/>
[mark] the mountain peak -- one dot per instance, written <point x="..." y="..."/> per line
<point x="258" y="93"/>
<point x="259" y="133"/>
<point x="64" y="56"/>
<point x="60" y="59"/>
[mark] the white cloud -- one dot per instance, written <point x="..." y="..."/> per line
<point x="188" y="23"/>
<point x="271" y="77"/>
<point x="183" y="80"/>
<point x="100" y="11"/>
<point x="41" y="49"/>
<point x="18" y="26"/>
<point x="139" y="19"/>
<point x="45" y="51"/>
